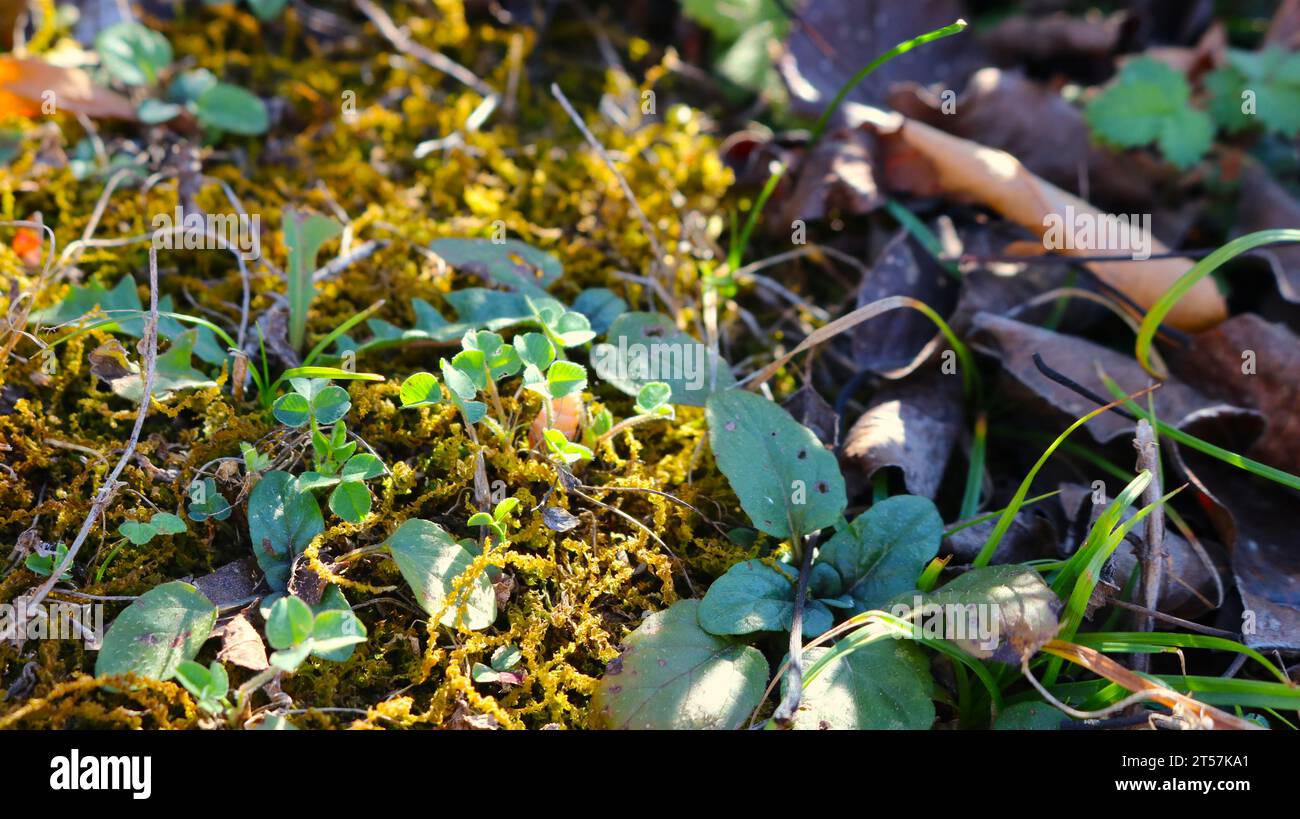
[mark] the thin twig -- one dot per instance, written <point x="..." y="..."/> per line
<point x="431" y="58"/>
<point x="609" y="163"/>
<point x="1151" y="552"/>
<point x="106" y="491"/>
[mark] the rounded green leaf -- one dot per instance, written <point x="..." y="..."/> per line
<point x="330" y="404"/>
<point x="289" y="623"/>
<point x="573" y="329"/>
<point x="1014" y="609"/>
<point x="535" y="349"/>
<point x="167" y="523"/>
<point x="674" y="674"/>
<point x="230" y="108"/>
<point x="565" y="378"/>
<point x="292" y="410"/>
<point x="336" y="629"/>
<point x="885" y="549"/>
<point x="652" y="396"/>
<point x="153" y="111"/>
<point x="753" y="596"/>
<point x="350" y="500"/>
<point x="601" y="306"/>
<point x="162" y="628"/>
<point x="883" y="685"/>
<point x="362" y="467"/>
<point x="137" y="532"/>
<point x="282" y="520"/>
<point x="420" y="390"/>
<point x="1030" y="716"/>
<point x="778" y="468"/>
<point x="430" y="560"/>
<point x="132" y="53"/>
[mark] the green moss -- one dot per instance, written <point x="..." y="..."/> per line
<point x="569" y="599"/>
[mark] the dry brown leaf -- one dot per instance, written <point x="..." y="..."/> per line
<point x="242" y="645"/>
<point x="25" y="83"/>
<point x="911" y="425"/>
<point x="935" y="162"/>
<point x="1181" y="704"/>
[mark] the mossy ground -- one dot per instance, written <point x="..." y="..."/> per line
<point x="573" y="596"/>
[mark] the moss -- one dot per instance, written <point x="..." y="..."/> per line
<point x="567" y="599"/>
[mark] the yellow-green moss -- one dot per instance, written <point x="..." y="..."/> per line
<point x="574" y="596"/>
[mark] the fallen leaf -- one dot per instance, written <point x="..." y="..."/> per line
<point x="1264" y="205"/>
<point x="849" y="34"/>
<point x="1244" y="510"/>
<point x="26" y="84"/>
<point x="242" y="645"/>
<point x="231" y="583"/>
<point x="937" y="163"/>
<point x="1253" y="363"/>
<point x="912" y="425"/>
<point x="1015" y="344"/>
<point x="891" y="344"/>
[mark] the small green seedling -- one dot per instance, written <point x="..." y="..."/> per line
<point x="138" y="56"/>
<point x="141" y="532"/>
<point x="296" y="633"/>
<point x="207" y="685"/>
<point x="303" y="236"/>
<point x="498" y="520"/>
<point x="206" y="502"/>
<point x="44" y="560"/>
<point x="503" y="659"/>
<point x="570" y="452"/>
<point x="316" y="403"/>
<point x="255" y="462"/>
